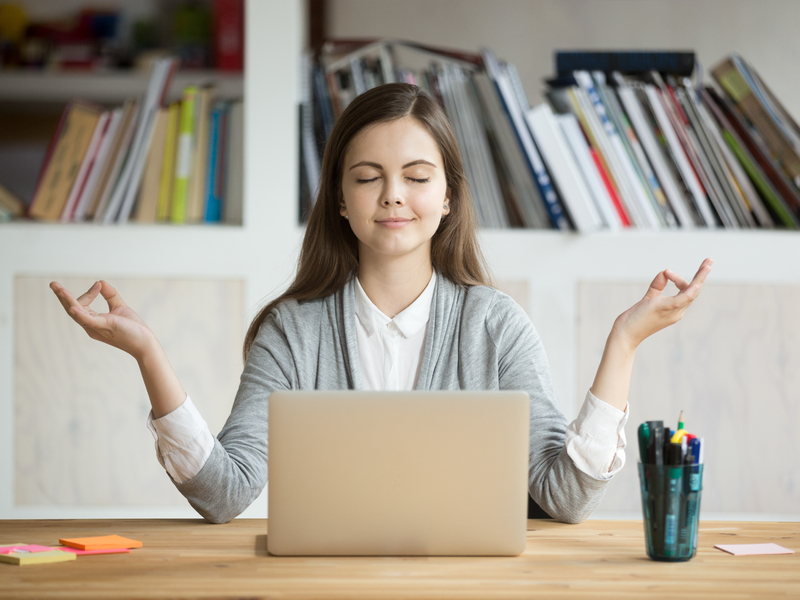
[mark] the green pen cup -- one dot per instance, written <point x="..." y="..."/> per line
<point x="671" y="509"/>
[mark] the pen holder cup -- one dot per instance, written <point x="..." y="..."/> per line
<point x="671" y="508"/>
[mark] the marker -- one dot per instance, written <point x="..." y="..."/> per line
<point x="673" y="501"/>
<point x="644" y="440"/>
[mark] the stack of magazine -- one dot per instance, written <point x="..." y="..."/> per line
<point x="625" y="139"/>
<point x="146" y="161"/>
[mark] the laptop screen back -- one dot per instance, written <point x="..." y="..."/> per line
<point x="397" y="473"/>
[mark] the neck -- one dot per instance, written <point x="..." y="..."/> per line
<point x="392" y="285"/>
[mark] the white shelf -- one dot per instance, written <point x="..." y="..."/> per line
<point x="111" y="87"/>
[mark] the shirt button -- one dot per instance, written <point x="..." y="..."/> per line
<point x="391" y="326"/>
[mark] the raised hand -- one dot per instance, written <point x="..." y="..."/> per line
<point x="654" y="312"/>
<point x="120" y="327"/>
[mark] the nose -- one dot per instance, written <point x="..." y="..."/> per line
<point x="391" y="195"/>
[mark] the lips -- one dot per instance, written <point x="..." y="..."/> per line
<point x="394" y="222"/>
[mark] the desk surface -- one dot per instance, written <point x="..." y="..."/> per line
<point x="596" y="559"/>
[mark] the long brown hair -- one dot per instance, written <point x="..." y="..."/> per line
<point x="329" y="254"/>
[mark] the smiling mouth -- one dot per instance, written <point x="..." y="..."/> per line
<point x="394" y="222"/>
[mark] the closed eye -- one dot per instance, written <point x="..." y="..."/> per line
<point x="419" y="180"/>
<point x="366" y="180"/>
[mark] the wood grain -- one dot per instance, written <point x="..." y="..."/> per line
<point x="80" y="406"/>
<point x="595" y="559"/>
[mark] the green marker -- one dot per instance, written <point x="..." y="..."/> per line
<point x="644" y="440"/>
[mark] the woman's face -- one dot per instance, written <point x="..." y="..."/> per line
<point x="394" y="190"/>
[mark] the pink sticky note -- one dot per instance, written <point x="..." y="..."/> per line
<point x="102" y="551"/>
<point x="25" y="548"/>
<point x="750" y="549"/>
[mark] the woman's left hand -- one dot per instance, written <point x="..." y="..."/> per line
<point x="654" y="312"/>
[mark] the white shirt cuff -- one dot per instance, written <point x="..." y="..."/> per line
<point x="596" y="440"/>
<point x="183" y="441"/>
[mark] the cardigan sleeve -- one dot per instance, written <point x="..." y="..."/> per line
<point x="236" y="471"/>
<point x="557" y="485"/>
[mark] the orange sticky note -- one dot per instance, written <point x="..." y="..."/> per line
<point x="103" y="542"/>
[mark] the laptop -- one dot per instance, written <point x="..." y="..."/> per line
<point x="398" y="473"/>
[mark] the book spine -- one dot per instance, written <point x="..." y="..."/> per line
<point x="213" y="208"/>
<point x="631" y="62"/>
<point x="183" y="156"/>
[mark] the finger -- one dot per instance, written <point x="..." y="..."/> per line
<point x="85" y="319"/>
<point x="679" y="281"/>
<point x="702" y="272"/>
<point x="111" y="295"/>
<point x="699" y="278"/>
<point x="63" y="295"/>
<point x="86" y="299"/>
<point x="657" y="286"/>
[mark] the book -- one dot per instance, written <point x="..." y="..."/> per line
<point x="196" y="198"/>
<point x="665" y="123"/>
<point x="642" y="171"/>
<point x="625" y="61"/>
<point x="732" y="80"/>
<point x="740" y="178"/>
<point x="183" y="155"/>
<point x="147" y="203"/>
<point x="11" y="203"/>
<point x="99" y="168"/>
<point x="512" y="107"/>
<point x="168" y="166"/>
<point x="127" y="190"/>
<point x="789" y="194"/>
<point x="228" y="34"/>
<point x="232" y="208"/>
<point x="657" y="159"/>
<point x="89" y="160"/>
<point x="582" y="153"/>
<point x="523" y="186"/>
<point x="61" y="170"/>
<point x="749" y="163"/>
<point x="215" y="173"/>
<point x="563" y="169"/>
<point x="117" y="156"/>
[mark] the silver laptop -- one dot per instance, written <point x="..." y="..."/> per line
<point x="398" y="473"/>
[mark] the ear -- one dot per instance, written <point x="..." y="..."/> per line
<point x="446" y="205"/>
<point x="343" y="211"/>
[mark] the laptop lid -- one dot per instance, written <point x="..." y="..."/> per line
<point x="398" y="473"/>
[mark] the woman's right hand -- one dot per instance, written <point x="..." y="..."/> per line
<point x="120" y="327"/>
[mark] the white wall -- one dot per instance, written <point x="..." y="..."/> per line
<point x="526" y="32"/>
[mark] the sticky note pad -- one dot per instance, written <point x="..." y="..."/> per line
<point x="104" y="542"/>
<point x="101" y="551"/>
<point x="32" y="558"/>
<point x="24" y="548"/>
<point x="751" y="549"/>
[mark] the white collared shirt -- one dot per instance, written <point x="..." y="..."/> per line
<point x="390" y="350"/>
<point x="390" y="354"/>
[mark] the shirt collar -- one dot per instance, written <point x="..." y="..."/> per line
<point x="409" y="322"/>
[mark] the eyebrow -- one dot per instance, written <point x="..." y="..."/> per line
<point x="365" y="163"/>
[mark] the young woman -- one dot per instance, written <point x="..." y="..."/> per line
<point x="391" y="292"/>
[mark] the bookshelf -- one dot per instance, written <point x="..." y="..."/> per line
<point x="551" y="267"/>
<point x="112" y="87"/>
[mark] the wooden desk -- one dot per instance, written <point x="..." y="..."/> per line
<point x="596" y="559"/>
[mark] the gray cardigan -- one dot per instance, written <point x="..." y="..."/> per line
<point x="477" y="339"/>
